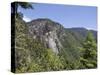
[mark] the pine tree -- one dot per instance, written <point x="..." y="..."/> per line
<point x="89" y="52"/>
<point x="15" y="6"/>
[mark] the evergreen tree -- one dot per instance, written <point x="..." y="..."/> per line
<point x="15" y="5"/>
<point x="89" y="52"/>
<point x="25" y="5"/>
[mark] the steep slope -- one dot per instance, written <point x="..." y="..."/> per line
<point x="75" y="41"/>
<point x="21" y="46"/>
<point x="47" y="32"/>
<point x="54" y="36"/>
<point x="45" y="45"/>
<point x="31" y="55"/>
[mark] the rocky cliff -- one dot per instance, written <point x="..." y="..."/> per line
<point x="47" y="32"/>
<point x="54" y="36"/>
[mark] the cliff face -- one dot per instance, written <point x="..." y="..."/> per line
<point x="47" y="32"/>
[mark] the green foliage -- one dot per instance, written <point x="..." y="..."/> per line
<point x="25" y="5"/>
<point x="89" y="50"/>
<point x="21" y="46"/>
<point x="15" y="5"/>
<point x="53" y="61"/>
<point x="32" y="56"/>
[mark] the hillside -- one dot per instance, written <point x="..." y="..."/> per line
<point x="45" y="45"/>
<point x="54" y="36"/>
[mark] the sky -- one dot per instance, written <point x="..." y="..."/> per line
<point x="68" y="15"/>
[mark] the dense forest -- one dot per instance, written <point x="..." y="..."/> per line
<point x="45" y="45"/>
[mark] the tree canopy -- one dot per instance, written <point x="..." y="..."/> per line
<point x="24" y="5"/>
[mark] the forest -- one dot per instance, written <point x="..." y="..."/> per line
<point x="45" y="45"/>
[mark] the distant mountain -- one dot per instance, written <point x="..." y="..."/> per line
<point x="83" y="31"/>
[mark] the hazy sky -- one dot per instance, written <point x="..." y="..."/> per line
<point x="67" y="15"/>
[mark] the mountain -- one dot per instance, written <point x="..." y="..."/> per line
<point x="47" y="32"/>
<point x="83" y="31"/>
<point x="80" y="34"/>
<point x="61" y="40"/>
<point x="53" y="35"/>
<point x="45" y="45"/>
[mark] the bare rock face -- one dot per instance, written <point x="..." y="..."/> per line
<point x="47" y="32"/>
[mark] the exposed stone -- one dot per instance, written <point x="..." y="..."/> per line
<point x="46" y="31"/>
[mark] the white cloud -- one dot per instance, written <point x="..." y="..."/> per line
<point x="91" y="28"/>
<point x="26" y="19"/>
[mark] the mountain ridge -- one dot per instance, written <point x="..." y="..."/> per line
<point x="48" y="30"/>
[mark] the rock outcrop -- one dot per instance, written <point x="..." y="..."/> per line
<point x="46" y="31"/>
